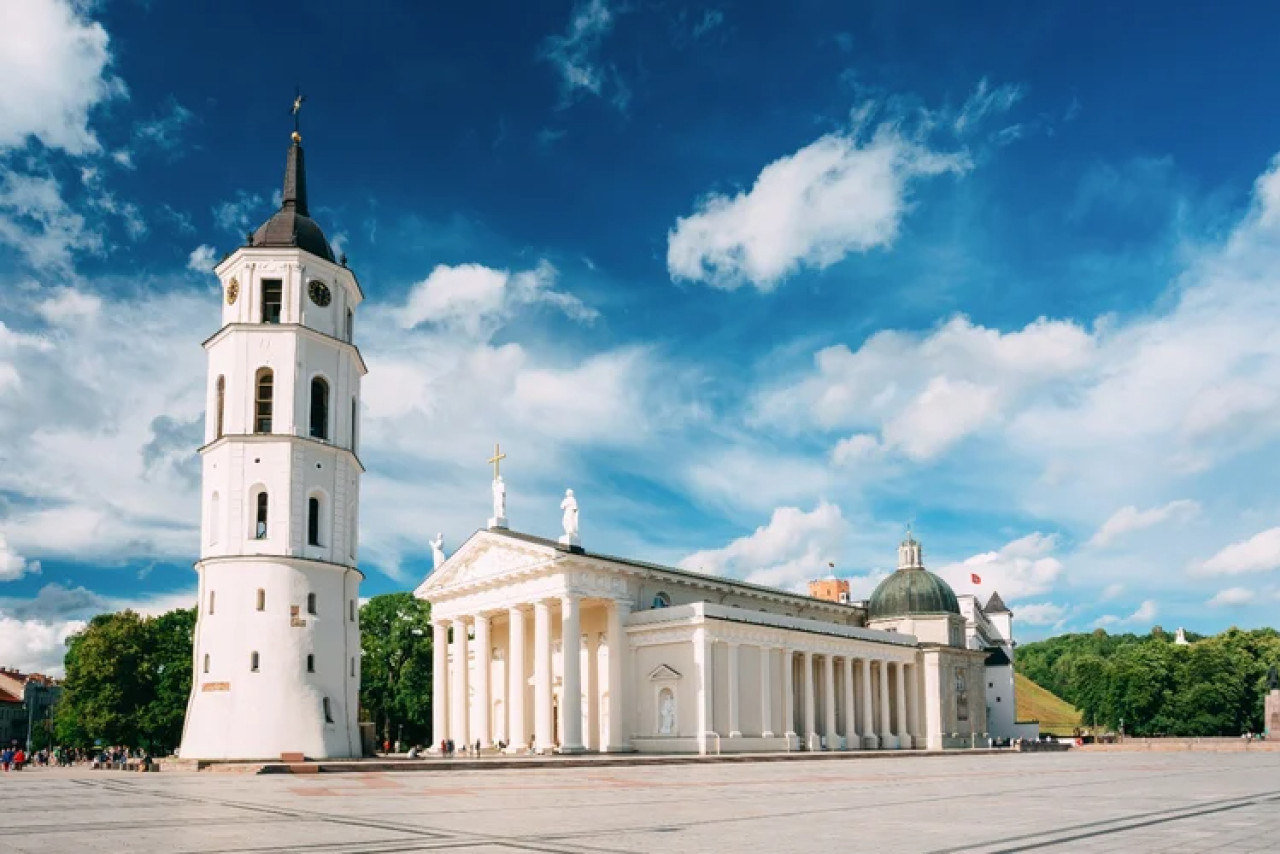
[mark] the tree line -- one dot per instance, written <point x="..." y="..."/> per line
<point x="128" y="677"/>
<point x="1212" y="686"/>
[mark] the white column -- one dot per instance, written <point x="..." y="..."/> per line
<point x="900" y="683"/>
<point x="705" y="685"/>
<point x="517" y="739"/>
<point x="766" y="694"/>
<point x="788" y="692"/>
<point x="482" y="713"/>
<point x="571" y="686"/>
<point x="617" y="658"/>
<point x="590" y="693"/>
<point x="829" y="700"/>
<point x="735" y="731"/>
<point x="439" y="682"/>
<point x="886" y="734"/>
<point x="542" y="676"/>
<point x="913" y="704"/>
<point x="869" y="738"/>
<point x="458" y="717"/>
<point x="850" y="718"/>
<point x="810" y="710"/>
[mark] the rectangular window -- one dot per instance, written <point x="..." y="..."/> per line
<point x="260" y="528"/>
<point x="311" y="603"/>
<point x="264" y="399"/>
<point x="351" y="611"/>
<point x="328" y="713"/>
<point x="353" y="668"/>
<point x="262" y="599"/>
<point x="313" y="521"/>
<point x="211" y="594"/>
<point x="311" y="664"/>
<point x="253" y="662"/>
<point x="272" y="299"/>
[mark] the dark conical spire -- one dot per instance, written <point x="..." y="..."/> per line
<point x="995" y="605"/>
<point x="295" y="179"/>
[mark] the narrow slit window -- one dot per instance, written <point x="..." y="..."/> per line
<point x="355" y="427"/>
<point x="311" y="663"/>
<point x="328" y="712"/>
<point x="319" y="409"/>
<point x="215" y="517"/>
<point x="311" y="603"/>
<point x="264" y="400"/>
<point x="220" y="407"/>
<point x="206" y="662"/>
<point x="260" y="524"/>
<point x="313" y="521"/>
<point x="351" y="611"/>
<point x="272" y="300"/>
<point x="253" y="662"/>
<point x="351" y="325"/>
<point x="262" y="599"/>
<point x="353" y="668"/>
<point x="211" y="600"/>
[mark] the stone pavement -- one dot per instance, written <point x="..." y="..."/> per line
<point x="1131" y="802"/>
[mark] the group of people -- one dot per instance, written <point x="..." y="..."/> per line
<point x="13" y="758"/>
<point x="449" y="748"/>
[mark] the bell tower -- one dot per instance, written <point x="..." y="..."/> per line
<point x="277" y="639"/>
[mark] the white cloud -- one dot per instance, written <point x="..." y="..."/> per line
<point x="793" y="548"/>
<point x="476" y="299"/>
<point x="942" y="414"/>
<point x="1024" y="567"/>
<point x="1231" y="597"/>
<point x="986" y="100"/>
<point x="202" y="259"/>
<point x="36" y="646"/>
<point x="1040" y="613"/>
<point x="1130" y="518"/>
<point x="576" y="54"/>
<point x="12" y="564"/>
<point x="237" y="215"/>
<point x="164" y="131"/>
<point x="1259" y="553"/>
<point x="36" y="221"/>
<point x="1111" y="591"/>
<point x="838" y="195"/>
<point x="53" y="72"/>
<point x="855" y="449"/>
<point x="1145" y="613"/>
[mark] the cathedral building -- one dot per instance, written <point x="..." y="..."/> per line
<point x="277" y="639"/>
<point x="544" y="646"/>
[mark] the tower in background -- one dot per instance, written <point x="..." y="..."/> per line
<point x="277" y="639"/>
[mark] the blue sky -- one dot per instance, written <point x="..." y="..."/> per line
<point x="762" y="285"/>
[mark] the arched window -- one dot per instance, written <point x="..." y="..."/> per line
<point x="206" y="662"/>
<point x="311" y="603"/>
<point x="220" y="407"/>
<point x="272" y="300"/>
<point x="264" y="396"/>
<point x="319" y="409"/>
<point x="253" y="662"/>
<point x="262" y="599"/>
<point x="311" y="663"/>
<point x="328" y="712"/>
<point x="211" y="594"/>
<point x="214" y="518"/>
<point x="661" y="600"/>
<point x="260" y="524"/>
<point x="313" y="521"/>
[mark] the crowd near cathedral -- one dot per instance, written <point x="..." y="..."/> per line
<point x="540" y="644"/>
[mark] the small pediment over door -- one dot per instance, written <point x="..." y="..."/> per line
<point x="663" y="673"/>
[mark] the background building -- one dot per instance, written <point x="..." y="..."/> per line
<point x="26" y="707"/>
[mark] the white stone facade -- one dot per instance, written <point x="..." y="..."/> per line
<point x="277" y="640"/>
<point x="548" y="648"/>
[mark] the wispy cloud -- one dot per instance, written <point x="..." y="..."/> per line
<point x="576" y="56"/>
<point x="1130" y="518"/>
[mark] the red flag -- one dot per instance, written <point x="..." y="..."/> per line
<point x="975" y="578"/>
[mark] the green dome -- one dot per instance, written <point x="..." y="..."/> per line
<point x="912" y="592"/>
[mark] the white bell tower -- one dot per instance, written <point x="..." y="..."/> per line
<point x="277" y="640"/>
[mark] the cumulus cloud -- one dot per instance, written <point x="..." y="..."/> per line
<point x="1021" y="568"/>
<point x="794" y="547"/>
<point x="476" y="298"/>
<point x="36" y="645"/>
<point x="1145" y="613"/>
<point x="53" y="71"/>
<point x="840" y="194"/>
<point x="35" y="220"/>
<point x="202" y="259"/>
<point x="1040" y="613"/>
<point x="12" y="564"/>
<point x="1259" y="553"/>
<point x="1231" y="597"/>
<point x="1130" y="518"/>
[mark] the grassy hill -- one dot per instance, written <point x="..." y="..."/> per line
<point x="1055" y="715"/>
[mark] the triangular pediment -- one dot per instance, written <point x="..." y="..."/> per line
<point x="663" y="673"/>
<point x="485" y="556"/>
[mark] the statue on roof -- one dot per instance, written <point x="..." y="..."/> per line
<point x="570" y="519"/>
<point x="437" y="551"/>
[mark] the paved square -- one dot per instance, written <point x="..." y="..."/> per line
<point x="1185" y="802"/>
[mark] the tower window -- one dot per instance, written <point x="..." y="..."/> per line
<point x="313" y="521"/>
<point x="351" y="611"/>
<point x="260" y="526"/>
<point x="272" y="299"/>
<point x="264" y="400"/>
<point x="311" y="663"/>
<point x="353" y="668"/>
<point x="253" y="662"/>
<point x="206" y="662"/>
<point x="262" y="599"/>
<point x="214" y="518"/>
<point x="211" y="595"/>
<point x="319" y="409"/>
<point x="661" y="600"/>
<point x="311" y="603"/>
<point x="351" y="325"/>
<point x="328" y="712"/>
<point x="219" y="407"/>
<point x="354" y="426"/>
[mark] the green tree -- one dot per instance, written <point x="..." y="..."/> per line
<point x="396" y="665"/>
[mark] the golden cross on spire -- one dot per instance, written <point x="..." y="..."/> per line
<point x="298" y="98"/>
<point x="496" y="460"/>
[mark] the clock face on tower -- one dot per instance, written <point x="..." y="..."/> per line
<point x="319" y="292"/>
<point x="233" y="291"/>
